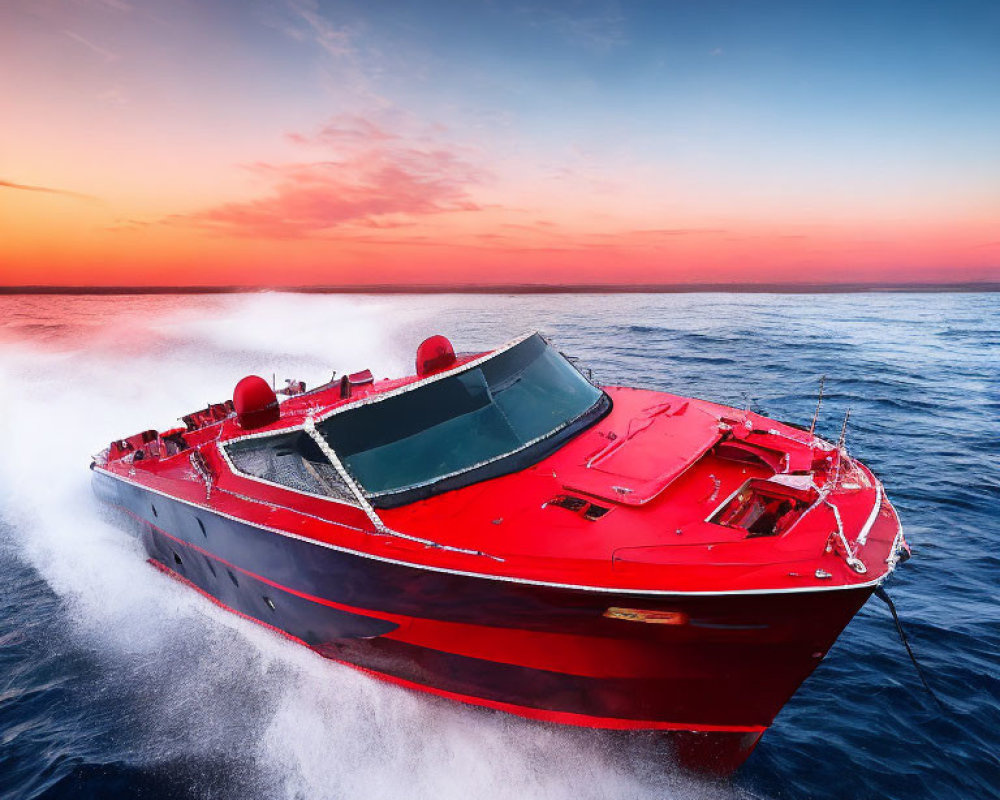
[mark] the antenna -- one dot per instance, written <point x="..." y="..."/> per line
<point x="843" y="431"/>
<point x="819" y="402"/>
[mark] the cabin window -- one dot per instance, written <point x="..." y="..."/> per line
<point x="500" y="416"/>
<point x="291" y="460"/>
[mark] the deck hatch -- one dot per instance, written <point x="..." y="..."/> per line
<point x="763" y="508"/>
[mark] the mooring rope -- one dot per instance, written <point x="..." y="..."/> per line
<point x="883" y="595"/>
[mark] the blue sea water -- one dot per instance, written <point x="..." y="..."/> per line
<point x="117" y="682"/>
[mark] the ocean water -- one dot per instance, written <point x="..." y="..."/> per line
<point x="117" y="682"/>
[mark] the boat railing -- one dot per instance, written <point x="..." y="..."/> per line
<point x="202" y="470"/>
<point x="850" y="553"/>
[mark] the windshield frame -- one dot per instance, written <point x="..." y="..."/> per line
<point x="523" y="456"/>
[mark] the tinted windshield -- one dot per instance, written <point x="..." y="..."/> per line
<point x="500" y="416"/>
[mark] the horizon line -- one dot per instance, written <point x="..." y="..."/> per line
<point x="519" y="288"/>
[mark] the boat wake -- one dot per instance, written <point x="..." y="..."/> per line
<point x="164" y="689"/>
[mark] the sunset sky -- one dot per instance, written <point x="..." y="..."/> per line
<point x="294" y="142"/>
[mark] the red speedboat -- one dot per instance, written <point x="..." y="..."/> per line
<point x="498" y="530"/>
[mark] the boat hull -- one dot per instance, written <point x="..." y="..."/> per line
<point x="715" y="668"/>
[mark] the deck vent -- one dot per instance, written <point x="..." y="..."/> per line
<point x="269" y="601"/>
<point x="201" y="525"/>
<point x="232" y="577"/>
<point x="567" y="502"/>
<point x="177" y="560"/>
<point x="578" y="505"/>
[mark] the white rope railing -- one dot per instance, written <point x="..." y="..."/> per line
<point x="200" y="468"/>
<point x="850" y="555"/>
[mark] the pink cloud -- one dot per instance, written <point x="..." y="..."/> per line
<point x="44" y="189"/>
<point x="345" y="131"/>
<point x="371" y="175"/>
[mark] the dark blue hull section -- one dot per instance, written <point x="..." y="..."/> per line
<point x="354" y="580"/>
<point x="718" y="671"/>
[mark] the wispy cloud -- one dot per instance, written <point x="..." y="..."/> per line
<point x="107" y="55"/>
<point x="44" y="189"/>
<point x="117" y="5"/>
<point x="662" y="233"/>
<point x="371" y="178"/>
<point x="303" y="21"/>
<point x="350" y="131"/>
<point x="351" y="64"/>
<point x="601" y="31"/>
<point x="545" y="236"/>
<point x="336" y="40"/>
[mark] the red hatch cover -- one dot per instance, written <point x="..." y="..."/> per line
<point x="657" y="449"/>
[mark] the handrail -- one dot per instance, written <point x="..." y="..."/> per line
<point x="853" y="561"/>
<point x="202" y="470"/>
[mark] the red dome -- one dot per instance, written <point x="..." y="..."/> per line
<point x="255" y="402"/>
<point x="434" y="355"/>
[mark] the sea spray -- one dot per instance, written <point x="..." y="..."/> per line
<point x="179" y="689"/>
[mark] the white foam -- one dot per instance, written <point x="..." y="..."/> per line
<point x="209" y="681"/>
